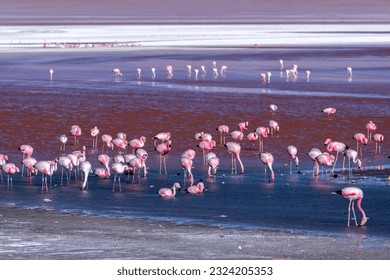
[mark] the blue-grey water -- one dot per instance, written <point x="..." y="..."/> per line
<point x="35" y="110"/>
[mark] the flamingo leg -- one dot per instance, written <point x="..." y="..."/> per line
<point x="165" y="165"/>
<point x="349" y="211"/>
<point x="353" y="211"/>
<point x="119" y="181"/>
<point x="160" y="163"/>
<point x="335" y="161"/>
<point x="113" y="185"/>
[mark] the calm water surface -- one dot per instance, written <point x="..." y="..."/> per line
<point x="36" y="110"/>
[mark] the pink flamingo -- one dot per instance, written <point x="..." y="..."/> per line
<point x="243" y="126"/>
<point x="94" y="133"/>
<point x="169" y="192"/>
<point x="3" y="160"/>
<point x="252" y="137"/>
<point x="121" y="135"/>
<point x="29" y="162"/>
<point x="263" y="133"/>
<point x="10" y="169"/>
<point x="268" y="160"/>
<point x="101" y="172"/>
<point x="117" y="72"/>
<point x="197" y="189"/>
<point x="47" y="168"/>
<point x="107" y="141"/>
<point x="162" y="136"/>
<point x="237" y="135"/>
<point x="187" y="163"/>
<point x="118" y="169"/>
<point x="104" y="159"/>
<point x="213" y="162"/>
<point x="120" y="143"/>
<point x="223" y="130"/>
<point x="163" y="149"/>
<point x="274" y="126"/>
<point x="329" y="110"/>
<point x="313" y="154"/>
<point x="273" y="107"/>
<point x="370" y="128"/>
<point x="63" y="139"/>
<point x="27" y="151"/>
<point x="360" y="138"/>
<point x="353" y="193"/>
<point x="324" y="159"/>
<point x="292" y="151"/>
<point x="75" y="130"/>
<point x="352" y="155"/>
<point x="85" y="167"/>
<point x="169" y="69"/>
<point x="378" y="138"/>
<point x="143" y="155"/>
<point x="137" y="143"/>
<point x="65" y="162"/>
<point x="338" y="147"/>
<point x="190" y="153"/>
<point x="206" y="146"/>
<point x="234" y="149"/>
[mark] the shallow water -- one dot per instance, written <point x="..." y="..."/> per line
<point x="36" y="110"/>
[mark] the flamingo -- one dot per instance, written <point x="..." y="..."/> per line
<point x="104" y="159"/>
<point x="196" y="71"/>
<point x="223" y="130"/>
<point x="101" y="172"/>
<point x="121" y="135"/>
<point x="10" y="169"/>
<point x="153" y="72"/>
<point x="203" y="69"/>
<point x="75" y="160"/>
<point x="51" y="73"/>
<point x="75" y="130"/>
<point x="169" y="69"/>
<point x="215" y="72"/>
<point x="117" y="72"/>
<point x="370" y="126"/>
<point x="65" y="162"/>
<point x="243" y="126"/>
<point x="252" y="138"/>
<point x="313" y="154"/>
<point x="139" y="70"/>
<point x="237" y="135"/>
<point x="353" y="193"/>
<point x="273" y="107"/>
<point x="143" y="155"/>
<point x="352" y="155"/>
<point x="308" y="75"/>
<point x="268" y="160"/>
<point x="27" y="151"/>
<point x="263" y="133"/>
<point x="234" y="149"/>
<point x="206" y="146"/>
<point x="169" y="192"/>
<point x="136" y="164"/>
<point x="281" y="64"/>
<point x="189" y="69"/>
<point x="3" y="160"/>
<point x="118" y="169"/>
<point x="197" y="189"/>
<point x="137" y="143"/>
<point x="187" y="163"/>
<point x="329" y="110"/>
<point x="378" y="138"/>
<point x="94" y="133"/>
<point x="223" y="69"/>
<point x="360" y="138"/>
<point x="349" y="71"/>
<point x="63" y="139"/>
<point x="335" y="146"/>
<point x="292" y="151"/>
<point x="107" y="141"/>
<point x="120" y="143"/>
<point x="29" y="162"/>
<point x="85" y="167"/>
<point x="324" y="159"/>
<point x="274" y="126"/>
<point x="162" y="136"/>
<point x="163" y="149"/>
<point x="213" y="162"/>
<point x="190" y="153"/>
<point x="47" y="168"/>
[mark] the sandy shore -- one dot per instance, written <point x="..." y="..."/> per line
<point x="42" y="234"/>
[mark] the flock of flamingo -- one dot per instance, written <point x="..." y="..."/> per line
<point x="134" y="163"/>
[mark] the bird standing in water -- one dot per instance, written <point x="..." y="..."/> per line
<point x="353" y="193"/>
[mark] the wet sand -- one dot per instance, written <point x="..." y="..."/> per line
<point x="42" y="234"/>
